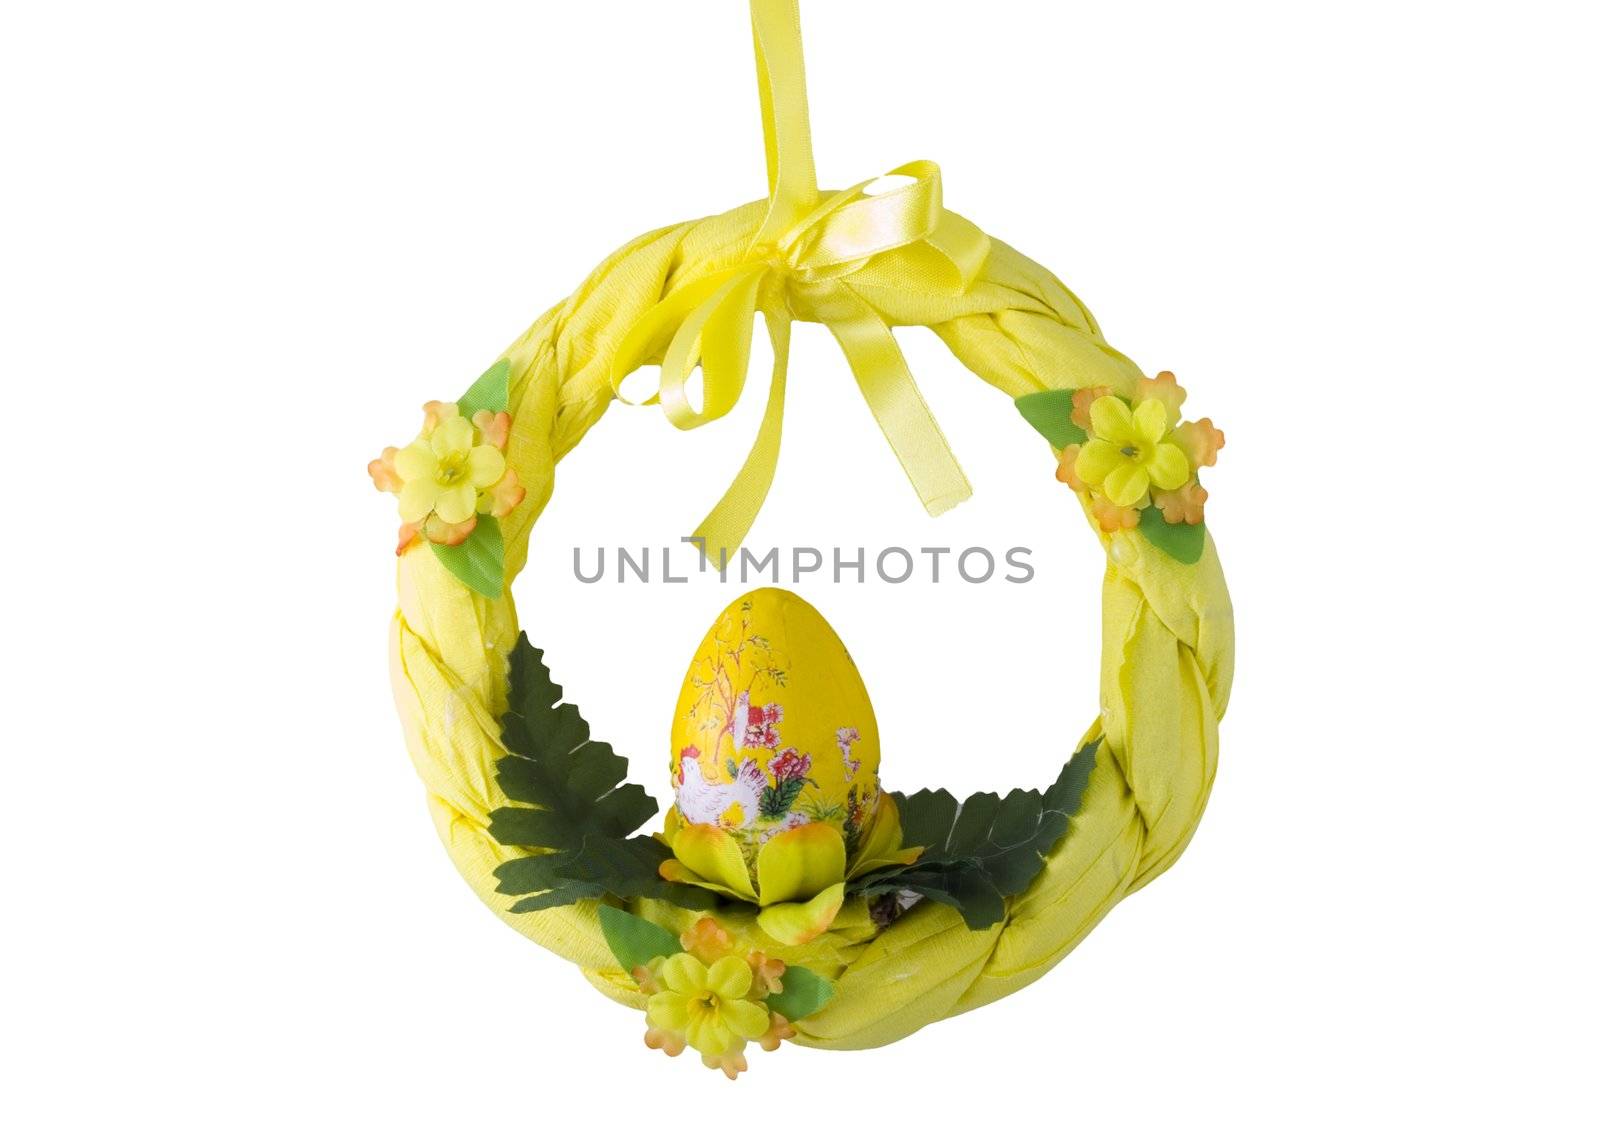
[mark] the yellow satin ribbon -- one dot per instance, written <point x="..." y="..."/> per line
<point x="807" y="248"/>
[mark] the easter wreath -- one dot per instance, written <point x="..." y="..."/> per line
<point x="788" y="896"/>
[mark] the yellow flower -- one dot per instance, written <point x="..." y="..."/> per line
<point x="708" y="1006"/>
<point x="443" y="471"/>
<point x="800" y="873"/>
<point x="1130" y="451"/>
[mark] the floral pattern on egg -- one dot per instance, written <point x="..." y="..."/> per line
<point x="773" y="728"/>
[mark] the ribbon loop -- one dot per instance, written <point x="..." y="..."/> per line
<point x="853" y="226"/>
<point x="716" y="337"/>
<point x="818" y="242"/>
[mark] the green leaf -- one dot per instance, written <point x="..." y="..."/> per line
<point x="635" y="941"/>
<point x="803" y="993"/>
<point x="571" y="803"/>
<point x="1050" y="413"/>
<point x="491" y="391"/>
<point x="528" y="874"/>
<point x="631" y="868"/>
<point x="570" y="780"/>
<point x="927" y="814"/>
<point x="627" y="868"/>
<point x="1182" y="542"/>
<point x="977" y="854"/>
<point x="958" y="884"/>
<point x="568" y="893"/>
<point x="479" y="562"/>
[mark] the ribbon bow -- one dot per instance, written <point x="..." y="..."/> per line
<point x="807" y="248"/>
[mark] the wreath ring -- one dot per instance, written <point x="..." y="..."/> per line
<point x="685" y="296"/>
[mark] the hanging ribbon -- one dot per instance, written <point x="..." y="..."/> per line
<point x="808" y="245"/>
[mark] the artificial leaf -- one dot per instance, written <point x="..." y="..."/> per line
<point x="635" y="941"/>
<point x="479" y="562"/>
<point x="803" y="993"/>
<point x="1182" y="542"/>
<point x="528" y="874"/>
<point x="1050" y="413"/>
<point x="627" y="868"/>
<point x="708" y="853"/>
<point x="958" y="884"/>
<point x="554" y="766"/>
<point x="571" y="804"/>
<point x="977" y="854"/>
<point x="570" y="892"/>
<point x="795" y="924"/>
<point x="491" y="391"/>
<point x="800" y="862"/>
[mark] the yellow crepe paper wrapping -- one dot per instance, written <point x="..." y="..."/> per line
<point x="1167" y="638"/>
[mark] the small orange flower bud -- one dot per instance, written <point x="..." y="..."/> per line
<point x="384" y="476"/>
<point x="441" y="532"/>
<point x="1111" y="516"/>
<point x="659" y="1039"/>
<point x="496" y="427"/>
<point x="778" y="1030"/>
<point x="1066" y="469"/>
<point x="435" y="413"/>
<point x="707" y="941"/>
<point x="1186" y="504"/>
<point x="732" y="1064"/>
<point x="408" y="538"/>
<point x="504" y="497"/>
<point x="1164" y="388"/>
<point x="768" y="974"/>
<point x="1082" y="399"/>
<point x="1200" y="441"/>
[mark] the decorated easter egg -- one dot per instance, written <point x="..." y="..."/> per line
<point x="773" y="728"/>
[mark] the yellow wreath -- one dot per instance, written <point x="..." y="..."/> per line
<point x="859" y="262"/>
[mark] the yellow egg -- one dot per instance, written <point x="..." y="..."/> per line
<point x="773" y="728"/>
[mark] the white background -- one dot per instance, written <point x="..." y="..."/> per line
<point x="243" y="242"/>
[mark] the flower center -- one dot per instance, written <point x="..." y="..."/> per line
<point x="708" y="1002"/>
<point x="452" y="469"/>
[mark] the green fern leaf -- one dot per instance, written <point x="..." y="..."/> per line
<point x="985" y="849"/>
<point x="573" y="804"/>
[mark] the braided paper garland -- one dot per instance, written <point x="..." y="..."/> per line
<point x="1167" y="638"/>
